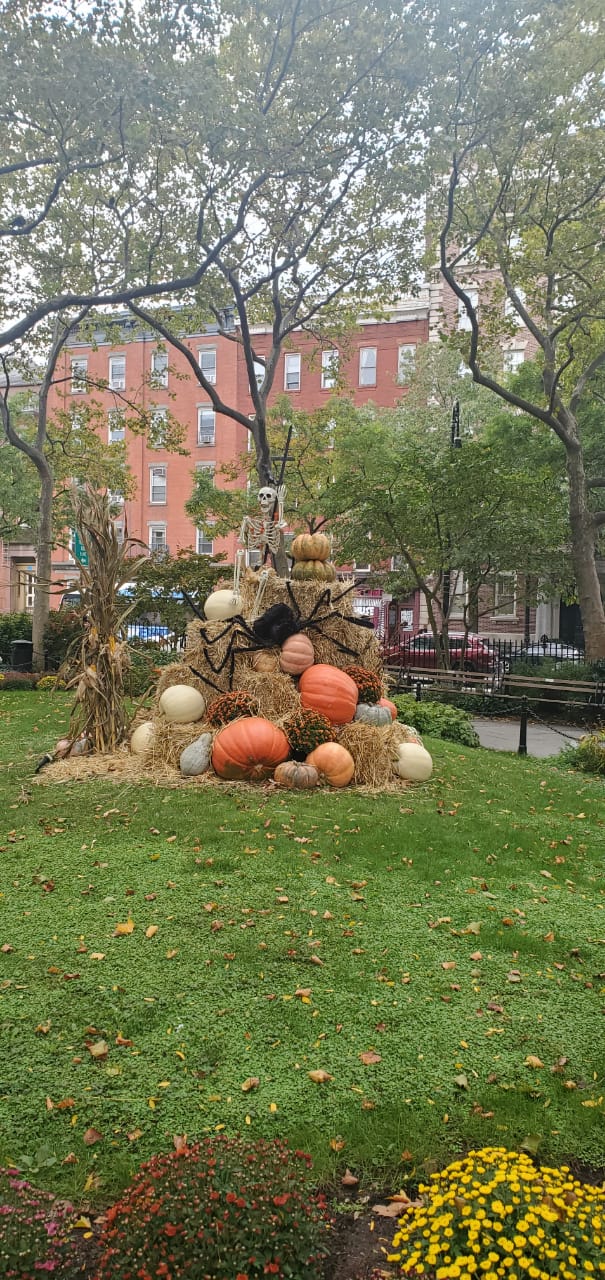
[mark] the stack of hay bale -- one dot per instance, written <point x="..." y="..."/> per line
<point x="287" y="672"/>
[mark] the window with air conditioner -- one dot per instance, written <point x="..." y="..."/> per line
<point x="205" y="545"/>
<point x="464" y="320"/>
<point x="292" y="372"/>
<point x="206" y="425"/>
<point x="207" y="361"/>
<point x="458" y="594"/>
<point x="329" y="369"/>
<point x="406" y="362"/>
<point x="157" y="485"/>
<point x="79" y="373"/>
<point x="367" y="366"/>
<point x="115" y="426"/>
<point x="117" y="373"/>
<point x="159" y="368"/>
<point x="119" y="531"/>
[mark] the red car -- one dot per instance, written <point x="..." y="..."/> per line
<point x="420" y="651"/>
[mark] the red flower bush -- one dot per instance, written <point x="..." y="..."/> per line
<point x="34" y="1229"/>
<point x="220" y="1209"/>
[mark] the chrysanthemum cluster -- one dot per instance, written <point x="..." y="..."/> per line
<point x="495" y="1214"/>
<point x="220" y="1208"/>
<point x="34" y="1229"/>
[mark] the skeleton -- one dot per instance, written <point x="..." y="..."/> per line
<point x="262" y="533"/>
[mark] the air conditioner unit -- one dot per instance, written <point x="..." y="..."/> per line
<point x="118" y="384"/>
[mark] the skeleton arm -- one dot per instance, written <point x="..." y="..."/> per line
<point x="281" y="498"/>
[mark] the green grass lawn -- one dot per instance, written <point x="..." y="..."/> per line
<point x="455" y="933"/>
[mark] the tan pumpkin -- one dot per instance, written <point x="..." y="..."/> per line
<point x="249" y="749"/>
<point x="329" y="690"/>
<point x="265" y="660"/>
<point x="333" y="762"/>
<point x="310" y="546"/>
<point x="309" y="570"/>
<point x="296" y="776"/>
<point x="296" y="654"/>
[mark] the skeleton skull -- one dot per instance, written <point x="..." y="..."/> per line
<point x="267" y="497"/>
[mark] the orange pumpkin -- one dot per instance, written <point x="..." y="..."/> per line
<point x="333" y="763"/>
<point x="296" y="776"/>
<point x="329" y="690"/>
<point x="296" y="654"/>
<point x="249" y="749"/>
<point x="310" y="546"/>
<point x="313" y="570"/>
<point x="386" y="702"/>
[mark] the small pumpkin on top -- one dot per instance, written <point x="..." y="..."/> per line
<point x="318" y="570"/>
<point x="230" y="706"/>
<point x="310" y="546"/>
<point x="372" y="713"/>
<point x="368" y="683"/>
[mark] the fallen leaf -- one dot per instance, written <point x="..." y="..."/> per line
<point x="151" y="931"/>
<point x="532" y="1061"/>
<point x="135" y="1135"/>
<point x="43" y="1028"/>
<point x="98" y="1050"/>
<point x="473" y="927"/>
<point x="171" y="954"/>
<point x="180" y="1143"/>
<point x="303" y="992"/>
<point x="120" y="1039"/>
<point x="337" y="1144"/>
<point x="251" y="1083"/>
<point x="319" y="1076"/>
<point x="461" y="1081"/>
<point x="315" y="960"/>
<point x="548" y="937"/>
<point x="476" y="955"/>
<point x="369" y="1057"/>
<point x="82" y="1224"/>
<point x="348" y="1179"/>
<point x="91" y="1136"/>
<point x="495" y="1008"/>
<point x="97" y="955"/>
<point x="6" y="948"/>
<point x="70" y="1159"/>
<point x="122" y="930"/>
<point x="514" y="975"/>
<point x="448" y="964"/>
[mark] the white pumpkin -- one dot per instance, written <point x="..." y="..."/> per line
<point x="413" y="762"/>
<point x="182" y="704"/>
<point x="222" y="605"/>
<point x="141" y="738"/>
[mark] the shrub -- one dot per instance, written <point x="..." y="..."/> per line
<point x="589" y="755"/>
<point x="368" y="683"/>
<point x="222" y="1209"/>
<point x="306" y="730"/>
<point x="495" y="1214"/>
<point x="438" y="720"/>
<point x="11" y="680"/>
<point x="62" y="636"/>
<point x="33" y="1229"/>
<point x="146" y="661"/>
<point x="50" y="682"/>
<point x="230" y="706"/>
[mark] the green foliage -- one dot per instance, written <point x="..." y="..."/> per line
<point x="46" y="683"/>
<point x="494" y="1206"/>
<point x="437" y="719"/>
<point x="224" y="1204"/>
<point x="146" y="662"/>
<point x="160" y="580"/>
<point x="18" y="680"/>
<point x="13" y="626"/>
<point x="63" y="633"/>
<point x="33" y="1229"/>
<point x="588" y="756"/>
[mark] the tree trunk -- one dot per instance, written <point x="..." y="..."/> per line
<point x="583" y="553"/>
<point x="43" y="565"/>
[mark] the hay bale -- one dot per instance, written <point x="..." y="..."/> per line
<point x="306" y="594"/>
<point x="206" y="654"/>
<point x="275" y="692"/>
<point x="178" y="673"/>
<point x="169" y="741"/>
<point x="372" y="750"/>
<point x="361" y="640"/>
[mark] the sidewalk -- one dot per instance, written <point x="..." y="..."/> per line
<point x="542" y="740"/>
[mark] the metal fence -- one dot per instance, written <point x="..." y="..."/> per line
<point x="482" y="654"/>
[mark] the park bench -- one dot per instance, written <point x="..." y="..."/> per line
<point x="588" y="692"/>
<point x="413" y="679"/>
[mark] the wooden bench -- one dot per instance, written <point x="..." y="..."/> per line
<point x="406" y="679"/>
<point x="592" y="691"/>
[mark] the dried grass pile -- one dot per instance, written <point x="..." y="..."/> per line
<point x="371" y="747"/>
<point x="169" y="741"/>
<point x="180" y="673"/>
<point x="275" y="692"/>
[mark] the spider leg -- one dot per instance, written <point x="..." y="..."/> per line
<point x="191" y="604"/>
<point x="205" y="679"/>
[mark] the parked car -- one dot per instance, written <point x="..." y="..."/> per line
<point x="472" y="654"/>
<point x="557" y="649"/>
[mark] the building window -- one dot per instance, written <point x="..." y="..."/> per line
<point x="159" y="368"/>
<point x="259" y="373"/>
<point x="292" y="372"/>
<point x="117" y="373"/>
<point x="329" y="369"/>
<point x="116" y="499"/>
<point x="115" y="426"/>
<point x="79" y="372"/>
<point x="510" y="309"/>
<point x="158" y="423"/>
<point x="513" y="359"/>
<point x="205" y="545"/>
<point x="157" y="485"/>
<point x="29" y="590"/>
<point x="458" y="594"/>
<point x="464" y="320"/>
<point x="206" y="424"/>
<point x="367" y="366"/>
<point x="253" y="559"/>
<point x="157" y="539"/>
<point x="119" y="531"/>
<point x="505" y="595"/>
<point x="361" y="568"/>
<point x="207" y="467"/>
<point x="406" y="362"/>
<point x="207" y="362"/>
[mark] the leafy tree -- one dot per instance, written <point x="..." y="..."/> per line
<point x="161" y="580"/>
<point x="518" y="211"/>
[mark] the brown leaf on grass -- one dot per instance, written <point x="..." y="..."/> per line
<point x="171" y="954"/>
<point x="532" y="1061"/>
<point x="134" y="1135"/>
<point x="348" y="1179"/>
<point x="179" y="1141"/>
<point x="514" y="975"/>
<point x="320" y="1076"/>
<point x="369" y="1057"/>
<point x="548" y="937"/>
<point x="461" y="1081"/>
<point x="6" y="948"/>
<point x="476" y="955"/>
<point x="337" y="1143"/>
<point x="396" y="1206"/>
<point x="495" y="1008"/>
<point x="70" y="1159"/>
<point x="43" y="1028"/>
<point x="122" y="930"/>
<point x="91" y="1136"/>
<point x="120" y="1039"/>
<point x="473" y="927"/>
<point x="98" y="1050"/>
<point x="251" y="1083"/>
<point x="151" y="931"/>
<point x="315" y="960"/>
<point x="448" y="964"/>
<point x="303" y="992"/>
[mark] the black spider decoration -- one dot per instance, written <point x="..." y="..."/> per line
<point x="270" y="630"/>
